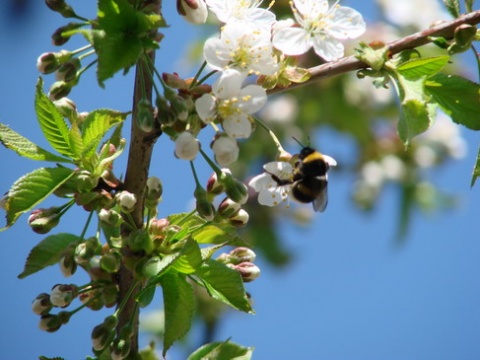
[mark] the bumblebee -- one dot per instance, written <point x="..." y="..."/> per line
<point x="310" y="181"/>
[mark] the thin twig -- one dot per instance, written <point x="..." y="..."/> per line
<point x="351" y="63"/>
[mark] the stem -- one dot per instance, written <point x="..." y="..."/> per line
<point x="271" y="133"/>
<point x="350" y="63"/>
<point x="139" y="158"/>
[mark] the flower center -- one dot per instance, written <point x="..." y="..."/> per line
<point x="228" y="108"/>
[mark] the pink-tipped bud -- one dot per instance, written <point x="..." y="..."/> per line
<point x="239" y="219"/>
<point x="68" y="70"/>
<point x="247" y="270"/>
<point x="43" y="220"/>
<point x="235" y="189"/>
<point x="194" y="11"/>
<point x="214" y="187"/>
<point x="59" y="89"/>
<point x="47" y="63"/>
<point x="228" y="208"/>
<point x="242" y="254"/>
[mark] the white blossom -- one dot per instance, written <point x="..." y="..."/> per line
<point x="321" y="27"/>
<point x="231" y="103"/>
<point x="225" y="149"/>
<point x="243" y="10"/>
<point x="243" y="46"/>
<point x="270" y="192"/>
<point x="186" y="146"/>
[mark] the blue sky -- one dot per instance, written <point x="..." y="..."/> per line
<point x="350" y="293"/>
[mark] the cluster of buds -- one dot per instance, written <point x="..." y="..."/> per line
<point x="241" y="260"/>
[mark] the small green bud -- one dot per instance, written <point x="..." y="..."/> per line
<point x="85" y="181"/>
<point x="50" y="323"/>
<point x="120" y="348"/>
<point x="47" y="63"/>
<point x="68" y="70"/>
<point x="111" y="261"/>
<point x="144" y="116"/>
<point x="140" y="240"/>
<point x="153" y="193"/>
<point x="61" y="7"/>
<point x="235" y="189"/>
<point x="126" y="201"/>
<point x="68" y="266"/>
<point x="103" y="335"/>
<point x="59" y="89"/>
<point x="58" y="39"/>
<point x="110" y="217"/>
<point x="43" y="220"/>
<point x="214" y="187"/>
<point x="204" y="207"/>
<point x="66" y="107"/>
<point x="464" y="35"/>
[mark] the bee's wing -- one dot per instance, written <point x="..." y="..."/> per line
<point x="321" y="201"/>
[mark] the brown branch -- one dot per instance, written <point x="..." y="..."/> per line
<point x="138" y="165"/>
<point x="351" y="63"/>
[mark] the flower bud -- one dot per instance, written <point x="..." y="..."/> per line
<point x="158" y="227"/>
<point x="239" y="219"/>
<point x="247" y="270"/>
<point x="186" y="146"/>
<point x="43" y="220"/>
<point x="58" y="38"/>
<point x="225" y="149"/>
<point x="86" y="250"/>
<point x="140" y="240"/>
<point x="464" y="34"/>
<point x="242" y="254"/>
<point x="228" y="207"/>
<point x="104" y="333"/>
<point x="120" y="348"/>
<point x="204" y="207"/>
<point x="68" y="70"/>
<point x="59" y="89"/>
<point x="179" y="107"/>
<point x="214" y="187"/>
<point x="47" y="63"/>
<point x="68" y="266"/>
<point x="110" y="217"/>
<point x="111" y="261"/>
<point x="194" y="11"/>
<point x="235" y="189"/>
<point x="50" y="323"/>
<point x="61" y="7"/>
<point x="153" y="193"/>
<point x="85" y="181"/>
<point x="42" y="305"/>
<point x="66" y="107"/>
<point x="144" y="116"/>
<point x="62" y="295"/>
<point x="126" y="201"/>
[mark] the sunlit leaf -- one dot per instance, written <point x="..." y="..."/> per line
<point x="458" y="98"/>
<point x="47" y="252"/>
<point x="24" y="147"/>
<point x="179" y="305"/>
<point x="52" y="123"/>
<point x="189" y="259"/>
<point x="417" y="68"/>
<point x="31" y="189"/>
<point x="225" y="350"/>
<point x="224" y="284"/>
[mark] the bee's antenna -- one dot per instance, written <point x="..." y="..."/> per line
<point x="294" y="138"/>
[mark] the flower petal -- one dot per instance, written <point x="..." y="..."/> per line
<point x="346" y="23"/>
<point x="238" y="126"/>
<point x="292" y="41"/>
<point x="328" y="48"/>
<point x="252" y="98"/>
<point x="205" y="106"/>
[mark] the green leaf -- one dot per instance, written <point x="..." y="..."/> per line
<point x="76" y="143"/>
<point x="414" y="119"/>
<point x="179" y="304"/>
<point x="375" y="58"/>
<point x="225" y="350"/>
<point x="212" y="234"/>
<point x="25" y="148"/>
<point x="47" y="252"/>
<point x="458" y="97"/>
<point x="224" y="284"/>
<point x="52" y="123"/>
<point x="96" y="125"/>
<point x="125" y="36"/>
<point x="116" y="52"/>
<point x="145" y="297"/>
<point x="416" y="68"/>
<point x="476" y="169"/>
<point x="190" y="258"/>
<point x="31" y="189"/>
<point x="453" y="7"/>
